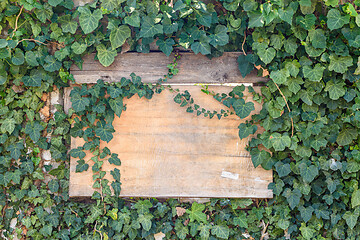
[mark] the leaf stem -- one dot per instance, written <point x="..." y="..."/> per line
<point x="287" y="105"/>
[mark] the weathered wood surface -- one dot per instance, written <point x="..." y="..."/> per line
<point x="166" y="152"/>
<point x="152" y="66"/>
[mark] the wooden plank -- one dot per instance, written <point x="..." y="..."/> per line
<point x="166" y="152"/>
<point x="152" y="66"/>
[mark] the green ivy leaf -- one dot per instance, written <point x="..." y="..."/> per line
<point x="245" y="130"/>
<point x="8" y="125"/>
<point x="307" y="232"/>
<point x="77" y="153"/>
<point x="258" y="157"/>
<point x="196" y="214"/>
<point x="34" y="78"/>
<point x="143" y="206"/>
<point x="31" y="59"/>
<point x="81" y="166"/>
<point x="220" y="37"/>
<point x="114" y="159"/>
<point x="119" y="35"/>
<point x="306" y="213"/>
<point x="68" y="25"/>
<point x="89" y="21"/>
<point x="104" y="131"/>
<point x="308" y="173"/>
<point x="280" y="142"/>
<point x="133" y="19"/>
<point x="335" y="20"/>
<point x="292" y="197"/>
<point x="78" y="48"/>
<point x="145" y="221"/>
<point x="15" y="150"/>
<point x="117" y="105"/>
<point x="34" y="130"/>
<point x="340" y="64"/>
<point x="18" y="57"/>
<point x="241" y="220"/>
<point x="282" y="169"/>
<point x="53" y="185"/>
<point x="280" y="76"/>
<point x="79" y="103"/>
<point x="346" y="136"/>
<point x="243" y="109"/>
<point x="201" y="46"/>
<point x="245" y="66"/>
<point x="256" y="19"/>
<point x="314" y="74"/>
<point x="351" y="218"/>
<point x="149" y="29"/>
<point x="166" y="46"/>
<point x="51" y="64"/>
<point x="267" y="55"/>
<point x="286" y="14"/>
<point x="221" y="231"/>
<point x="355" y="198"/>
<point x="106" y="56"/>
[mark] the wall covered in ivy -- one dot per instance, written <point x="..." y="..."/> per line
<point x="308" y="50"/>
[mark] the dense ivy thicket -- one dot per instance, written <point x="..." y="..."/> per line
<point x="311" y="116"/>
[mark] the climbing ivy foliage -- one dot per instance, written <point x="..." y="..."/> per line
<point x="308" y="50"/>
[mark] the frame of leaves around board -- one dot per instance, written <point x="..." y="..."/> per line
<point x="311" y="116"/>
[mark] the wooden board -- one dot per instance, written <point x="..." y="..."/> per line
<point x="166" y="152"/>
<point x="150" y="67"/>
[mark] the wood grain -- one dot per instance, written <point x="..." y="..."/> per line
<point x="152" y="66"/>
<point x="166" y="152"/>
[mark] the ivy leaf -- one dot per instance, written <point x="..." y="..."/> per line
<point x="145" y="221"/>
<point x="286" y="14"/>
<point x="243" y="109"/>
<point x="116" y="174"/>
<point x="317" y="143"/>
<point x="104" y="130"/>
<point x="114" y="159"/>
<point x="149" y="29"/>
<point x="196" y="214"/>
<point x="267" y="55"/>
<point x="335" y="20"/>
<point x="256" y="19"/>
<point x="18" y="57"/>
<point x="245" y="130"/>
<point x="245" y="66"/>
<point x="106" y="56"/>
<point x="79" y="103"/>
<point x="53" y="185"/>
<point x="308" y="173"/>
<point x="201" y="46"/>
<point x="340" y="64"/>
<point x="117" y="105"/>
<point x="8" y="125"/>
<point x="143" y="206"/>
<point x="241" y="220"/>
<point x="220" y="38"/>
<point x="54" y="3"/>
<point x="78" y="48"/>
<point x="282" y="169"/>
<point x="51" y="64"/>
<point x="133" y="19"/>
<point x="77" y="153"/>
<point x="34" y="130"/>
<point x="68" y="25"/>
<point x="166" y="46"/>
<point x="221" y="231"/>
<point x="89" y="21"/>
<point x="280" y="142"/>
<point x="258" y="157"/>
<point x="351" y="218"/>
<point x="317" y="38"/>
<point x="314" y="74"/>
<point x="306" y="213"/>
<point x="81" y="166"/>
<point x="15" y="150"/>
<point x="307" y="232"/>
<point x="355" y="198"/>
<point x="27" y="166"/>
<point x="30" y="58"/>
<point x="34" y="78"/>
<point x="280" y="76"/>
<point x="119" y="35"/>
<point x="336" y="90"/>
<point x="346" y="136"/>
<point x="292" y="197"/>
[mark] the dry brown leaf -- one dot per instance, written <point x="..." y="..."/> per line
<point x="18" y="89"/>
<point x="159" y="236"/>
<point x="45" y="111"/>
<point x="125" y="48"/>
<point x="186" y="222"/>
<point x="44" y="97"/>
<point x="180" y="211"/>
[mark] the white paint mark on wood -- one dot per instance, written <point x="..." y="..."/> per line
<point x="229" y="175"/>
